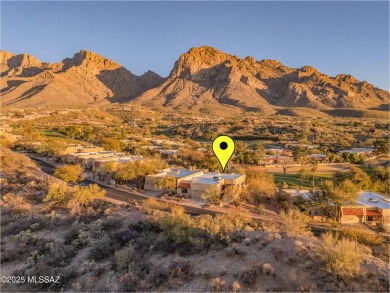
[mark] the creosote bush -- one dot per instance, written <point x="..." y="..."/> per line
<point x="342" y="257"/>
<point x="294" y="222"/>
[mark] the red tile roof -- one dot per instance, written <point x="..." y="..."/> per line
<point x="184" y="185"/>
<point x="373" y="213"/>
<point x="352" y="211"/>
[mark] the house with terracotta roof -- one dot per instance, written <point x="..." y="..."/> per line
<point x="370" y="207"/>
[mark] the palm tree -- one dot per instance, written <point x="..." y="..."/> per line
<point x="313" y="169"/>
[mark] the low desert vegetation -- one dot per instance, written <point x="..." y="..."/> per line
<point x="342" y="256"/>
<point x="93" y="245"/>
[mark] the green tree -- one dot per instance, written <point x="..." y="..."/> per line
<point x="303" y="174"/>
<point x="339" y="193"/>
<point x="111" y="144"/>
<point x="166" y="183"/>
<point x="299" y="153"/>
<point x="212" y="194"/>
<point x="313" y="169"/>
<point x="356" y="175"/>
<point x="84" y="195"/>
<point x="261" y="185"/>
<point x="235" y="195"/>
<point x="58" y="193"/>
<point x="136" y="171"/>
<point x="69" y="173"/>
<point x="54" y="146"/>
<point x="380" y="179"/>
<point x="382" y="146"/>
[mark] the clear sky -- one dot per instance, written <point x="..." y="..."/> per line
<point x="334" y="37"/>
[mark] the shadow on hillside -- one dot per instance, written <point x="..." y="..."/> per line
<point x="27" y="94"/>
<point x="124" y="85"/>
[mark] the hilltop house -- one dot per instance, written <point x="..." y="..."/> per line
<point x="193" y="183"/>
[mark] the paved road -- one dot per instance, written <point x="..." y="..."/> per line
<point x="120" y="195"/>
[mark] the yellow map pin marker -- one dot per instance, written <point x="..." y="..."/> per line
<point x="223" y="148"/>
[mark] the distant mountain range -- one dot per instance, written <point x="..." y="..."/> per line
<point x="202" y="80"/>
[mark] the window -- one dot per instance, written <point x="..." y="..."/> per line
<point x="184" y="190"/>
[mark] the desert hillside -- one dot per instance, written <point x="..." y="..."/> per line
<point x="204" y="78"/>
<point x="83" y="79"/>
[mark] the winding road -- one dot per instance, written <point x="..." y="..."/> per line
<point x="117" y="194"/>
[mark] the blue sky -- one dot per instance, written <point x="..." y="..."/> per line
<point x="334" y="37"/>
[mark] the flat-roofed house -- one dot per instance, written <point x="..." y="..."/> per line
<point x="199" y="184"/>
<point x="179" y="173"/>
<point x="193" y="183"/>
<point x="370" y="207"/>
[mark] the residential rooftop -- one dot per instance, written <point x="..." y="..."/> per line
<point x="214" y="178"/>
<point x="372" y="199"/>
<point x="176" y="172"/>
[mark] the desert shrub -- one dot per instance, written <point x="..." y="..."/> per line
<point x="217" y="285"/>
<point x="131" y="282"/>
<point x="249" y="275"/>
<point x="145" y="241"/>
<point x="180" y="268"/>
<point x="97" y="229"/>
<point x="101" y="249"/>
<point x="362" y="236"/>
<point x="26" y="237"/>
<point x="122" y="237"/>
<point x="58" y="254"/>
<point x="66" y="274"/>
<point x="15" y="203"/>
<point x="158" y="275"/>
<point x="145" y="226"/>
<point x="24" y="223"/>
<point x="278" y="252"/>
<point x="154" y="204"/>
<point x="236" y="286"/>
<point x="73" y="232"/>
<point x="260" y="208"/>
<point x="267" y="269"/>
<point x="124" y="257"/>
<point x="93" y="267"/>
<point x="112" y="224"/>
<point x="342" y="257"/>
<point x="81" y="241"/>
<point x="294" y="222"/>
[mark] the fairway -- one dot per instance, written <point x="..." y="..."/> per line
<point x="293" y="180"/>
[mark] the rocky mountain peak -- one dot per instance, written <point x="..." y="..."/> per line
<point x="14" y="61"/>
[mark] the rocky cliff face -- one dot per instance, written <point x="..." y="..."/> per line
<point x="202" y="80"/>
<point x="85" y="78"/>
<point x="205" y="76"/>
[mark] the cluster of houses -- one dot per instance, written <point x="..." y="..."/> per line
<point x="92" y="157"/>
<point x="193" y="183"/>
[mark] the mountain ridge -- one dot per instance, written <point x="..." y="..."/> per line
<point x="85" y="78"/>
<point x="203" y="80"/>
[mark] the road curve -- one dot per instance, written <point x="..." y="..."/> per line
<point x="117" y="194"/>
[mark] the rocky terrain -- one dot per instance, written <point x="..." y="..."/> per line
<point x="205" y="78"/>
<point x="202" y="80"/>
<point x="84" y="79"/>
